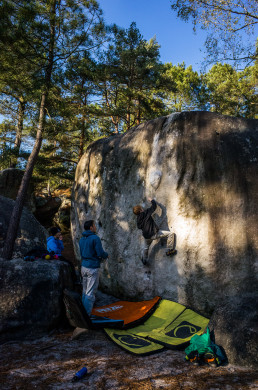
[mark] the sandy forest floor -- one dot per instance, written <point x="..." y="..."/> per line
<point x="51" y="361"/>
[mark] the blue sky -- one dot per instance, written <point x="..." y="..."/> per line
<point x="155" y="17"/>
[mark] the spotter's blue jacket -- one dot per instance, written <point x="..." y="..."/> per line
<point x="91" y="250"/>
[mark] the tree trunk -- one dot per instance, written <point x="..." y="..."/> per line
<point x="138" y="121"/>
<point x="17" y="141"/>
<point x="19" y="129"/>
<point x="18" y="206"/>
<point x="116" y="127"/>
<point x="82" y="139"/>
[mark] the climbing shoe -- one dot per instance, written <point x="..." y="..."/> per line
<point x="171" y="252"/>
<point x="171" y="241"/>
<point x="210" y="359"/>
<point x="193" y="358"/>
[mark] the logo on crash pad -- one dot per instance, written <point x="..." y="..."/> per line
<point x="184" y="330"/>
<point x="109" y="309"/>
<point x="131" y="341"/>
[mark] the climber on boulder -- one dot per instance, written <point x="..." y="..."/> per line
<point x="150" y="230"/>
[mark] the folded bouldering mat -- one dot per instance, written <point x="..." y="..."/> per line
<point x="132" y="313"/>
<point x="181" y="330"/>
<point x="78" y="316"/>
<point x="172" y="325"/>
<point x="133" y="343"/>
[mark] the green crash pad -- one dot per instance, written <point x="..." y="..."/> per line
<point x="172" y="325"/>
<point x="132" y="342"/>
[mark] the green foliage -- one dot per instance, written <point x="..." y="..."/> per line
<point x="93" y="94"/>
<point x="187" y="92"/>
<point x="225" y="19"/>
<point x="36" y="40"/>
<point x="231" y="92"/>
<point x="128" y="74"/>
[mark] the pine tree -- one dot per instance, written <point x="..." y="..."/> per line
<point x="45" y="34"/>
<point x="128" y="75"/>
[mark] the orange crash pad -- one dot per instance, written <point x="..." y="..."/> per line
<point x="132" y="313"/>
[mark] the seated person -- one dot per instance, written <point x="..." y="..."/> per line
<point x="55" y="245"/>
<point x="54" y="242"/>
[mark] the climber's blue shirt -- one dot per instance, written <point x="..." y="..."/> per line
<point x="55" y="245"/>
<point x="91" y="250"/>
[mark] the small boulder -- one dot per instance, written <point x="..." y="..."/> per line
<point x="31" y="296"/>
<point x="30" y="232"/>
<point x="10" y="180"/>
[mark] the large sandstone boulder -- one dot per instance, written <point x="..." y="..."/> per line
<point x="30" y="232"/>
<point x="31" y="296"/>
<point x="202" y="169"/>
<point x="10" y="180"/>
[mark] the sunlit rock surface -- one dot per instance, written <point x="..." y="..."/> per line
<point x="202" y="169"/>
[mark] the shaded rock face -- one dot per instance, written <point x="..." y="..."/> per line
<point x="30" y="232"/>
<point x="235" y="324"/>
<point x="46" y="209"/>
<point x="62" y="217"/>
<point x="202" y="169"/>
<point x="10" y="180"/>
<point x="54" y="209"/>
<point x="31" y="295"/>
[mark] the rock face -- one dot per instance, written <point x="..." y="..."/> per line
<point x="54" y="209"/>
<point x="62" y="217"/>
<point x="31" y="295"/>
<point x="30" y="233"/>
<point x="46" y="209"/>
<point x="202" y="169"/>
<point x="235" y="324"/>
<point x="10" y="180"/>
